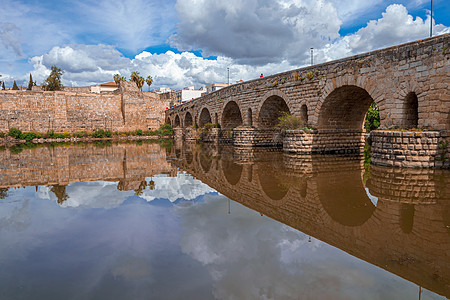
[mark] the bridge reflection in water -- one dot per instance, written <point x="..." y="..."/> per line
<point x="397" y="219"/>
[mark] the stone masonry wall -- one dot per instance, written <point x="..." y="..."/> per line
<point x="388" y="76"/>
<point x="410" y="149"/>
<point x="62" y="111"/>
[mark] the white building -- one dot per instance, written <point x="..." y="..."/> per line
<point x="104" y="87"/>
<point x="215" y="87"/>
<point x="188" y="94"/>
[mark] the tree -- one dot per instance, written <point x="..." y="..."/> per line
<point x="149" y="81"/>
<point x="15" y="87"/>
<point x="3" y="86"/>
<point x="137" y="79"/>
<point x="30" y="83"/>
<point x="53" y="81"/>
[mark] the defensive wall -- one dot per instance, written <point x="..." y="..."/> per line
<point x="405" y="230"/>
<point x="409" y="84"/>
<point x="125" y="110"/>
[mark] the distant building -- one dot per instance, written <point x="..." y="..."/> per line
<point x="188" y="94"/>
<point x="215" y="87"/>
<point x="163" y="90"/>
<point x="104" y="87"/>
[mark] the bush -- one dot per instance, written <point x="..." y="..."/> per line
<point x="287" y="121"/>
<point x="28" y="136"/>
<point x="15" y="133"/>
<point x="372" y="120"/>
<point x="208" y="126"/>
<point x="165" y="130"/>
<point x="79" y="134"/>
<point x="2" y="134"/>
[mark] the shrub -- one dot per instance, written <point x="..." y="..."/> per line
<point x="79" y="134"/>
<point x="108" y="133"/>
<point x="165" y="130"/>
<point x="372" y="120"/>
<point x="208" y="126"/>
<point x="28" y="136"/>
<point x="15" y="133"/>
<point x="139" y="132"/>
<point x="66" y="134"/>
<point x="2" y="134"/>
<point x="310" y="75"/>
<point x="287" y="121"/>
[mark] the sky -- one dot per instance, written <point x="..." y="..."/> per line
<point x="194" y="42"/>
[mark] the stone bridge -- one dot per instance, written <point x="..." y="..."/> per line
<point x="406" y="231"/>
<point x="409" y="83"/>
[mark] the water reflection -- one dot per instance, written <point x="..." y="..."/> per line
<point x="404" y="231"/>
<point x="134" y="221"/>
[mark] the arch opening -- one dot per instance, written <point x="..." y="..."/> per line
<point x="231" y="116"/>
<point x="272" y="108"/>
<point x="304" y="115"/>
<point x="177" y="122"/>
<point x="345" y="108"/>
<point x="168" y="121"/>
<point x="205" y="117"/>
<point x="411" y="111"/>
<point x="188" y="119"/>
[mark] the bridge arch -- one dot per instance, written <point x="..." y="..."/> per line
<point x="231" y="116"/>
<point x="188" y="120"/>
<point x="343" y="108"/>
<point x="205" y="117"/>
<point x="271" y="109"/>
<point x="177" y="122"/>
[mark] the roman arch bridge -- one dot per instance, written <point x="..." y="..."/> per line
<point x="409" y="83"/>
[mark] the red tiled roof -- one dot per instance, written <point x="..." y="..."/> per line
<point x="111" y="83"/>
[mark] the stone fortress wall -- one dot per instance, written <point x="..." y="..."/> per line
<point x="74" y="110"/>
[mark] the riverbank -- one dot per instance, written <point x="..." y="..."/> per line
<point x="8" y="141"/>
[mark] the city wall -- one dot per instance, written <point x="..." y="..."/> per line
<point x="66" y="111"/>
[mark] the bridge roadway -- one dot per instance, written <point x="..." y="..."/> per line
<point x="406" y="233"/>
<point x="409" y="83"/>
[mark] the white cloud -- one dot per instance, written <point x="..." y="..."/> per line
<point x="255" y="32"/>
<point x="395" y="27"/>
<point x="241" y="33"/>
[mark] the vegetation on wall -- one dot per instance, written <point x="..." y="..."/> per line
<point x="372" y="120"/>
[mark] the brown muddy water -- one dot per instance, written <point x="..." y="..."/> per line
<point x="203" y="221"/>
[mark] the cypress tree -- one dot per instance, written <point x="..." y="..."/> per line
<point x="30" y="83"/>
<point x="15" y="87"/>
<point x="3" y="86"/>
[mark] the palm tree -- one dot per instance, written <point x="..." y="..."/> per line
<point x="134" y="76"/>
<point x="149" y="81"/>
<point x="117" y="78"/>
<point x="140" y="82"/>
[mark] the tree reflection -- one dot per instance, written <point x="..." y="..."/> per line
<point x="60" y="193"/>
<point x="3" y="193"/>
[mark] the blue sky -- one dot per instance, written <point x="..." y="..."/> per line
<point x="193" y="42"/>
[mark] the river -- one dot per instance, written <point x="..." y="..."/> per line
<point x="164" y="220"/>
